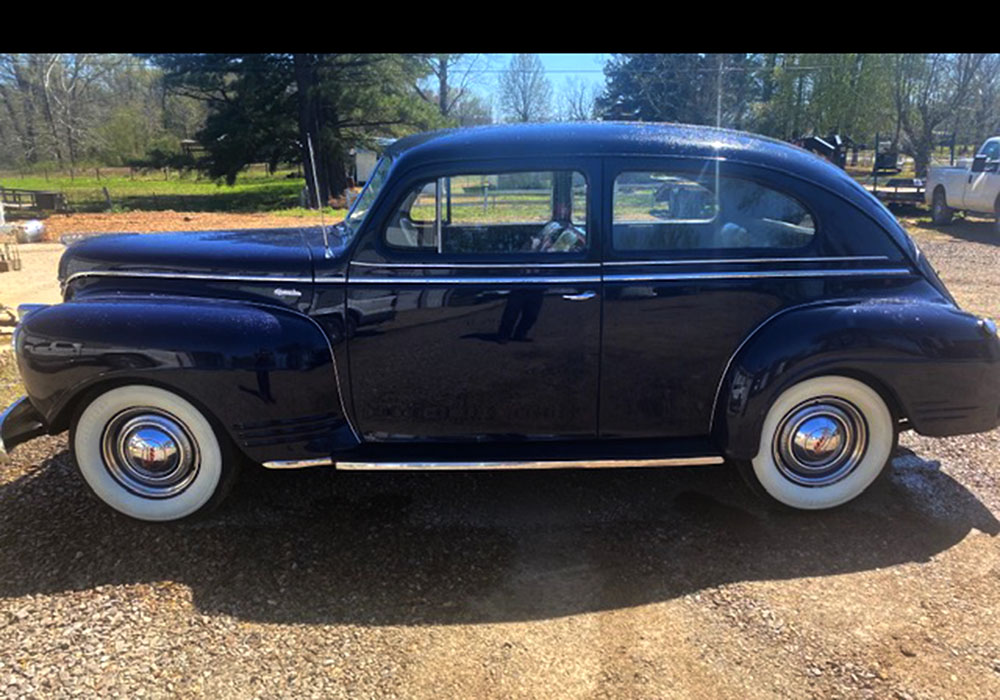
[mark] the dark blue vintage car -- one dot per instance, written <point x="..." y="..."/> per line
<point x="537" y="296"/>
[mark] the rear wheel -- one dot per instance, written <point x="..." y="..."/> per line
<point x="150" y="454"/>
<point x="824" y="441"/>
<point x="996" y="217"/>
<point x="941" y="213"/>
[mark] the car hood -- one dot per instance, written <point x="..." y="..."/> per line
<point x="262" y="253"/>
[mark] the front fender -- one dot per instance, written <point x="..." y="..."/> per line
<point x="935" y="365"/>
<point x="265" y="374"/>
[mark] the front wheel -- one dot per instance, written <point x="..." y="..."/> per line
<point x="824" y="441"/>
<point x="941" y="213"/>
<point x="150" y="454"/>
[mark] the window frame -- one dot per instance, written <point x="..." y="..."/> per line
<point x="589" y="168"/>
<point x="694" y="167"/>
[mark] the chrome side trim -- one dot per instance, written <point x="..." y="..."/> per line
<point x="298" y="463"/>
<point x="757" y="274"/>
<point x="330" y="280"/>
<point x="186" y="276"/>
<point x="473" y="266"/>
<point x="475" y="280"/>
<point x="748" y="261"/>
<point x="640" y="277"/>
<point x="554" y="464"/>
<point x="617" y="263"/>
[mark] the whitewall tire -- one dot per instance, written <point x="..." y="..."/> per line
<point x="150" y="454"/>
<point x="824" y="441"/>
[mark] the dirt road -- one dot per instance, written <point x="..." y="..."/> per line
<point x="630" y="583"/>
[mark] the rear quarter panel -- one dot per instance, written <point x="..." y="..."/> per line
<point x="933" y="364"/>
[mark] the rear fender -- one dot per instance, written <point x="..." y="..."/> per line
<point x="933" y="364"/>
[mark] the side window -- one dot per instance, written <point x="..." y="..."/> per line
<point x="992" y="150"/>
<point x="519" y="212"/>
<point x="669" y="211"/>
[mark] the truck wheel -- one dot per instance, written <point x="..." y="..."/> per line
<point x="941" y="213"/>
<point x="824" y="441"/>
<point x="150" y="454"/>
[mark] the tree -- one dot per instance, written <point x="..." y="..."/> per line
<point x="525" y="93"/>
<point x="688" y="88"/>
<point x="799" y="94"/>
<point x="269" y="107"/>
<point x="927" y="90"/>
<point x="579" y="100"/>
<point x="985" y="108"/>
<point x="453" y="75"/>
<point x="68" y="107"/>
<point x="472" y="111"/>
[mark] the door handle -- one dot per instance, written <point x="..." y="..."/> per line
<point x="582" y="296"/>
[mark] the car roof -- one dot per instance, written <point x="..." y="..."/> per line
<point x="609" y="139"/>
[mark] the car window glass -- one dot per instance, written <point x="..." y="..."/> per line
<point x="992" y="150"/>
<point x="663" y="211"/>
<point x="519" y="212"/>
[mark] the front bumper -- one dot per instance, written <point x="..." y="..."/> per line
<point x="19" y="423"/>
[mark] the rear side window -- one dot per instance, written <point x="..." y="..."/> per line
<point x="520" y="212"/>
<point x="669" y="211"/>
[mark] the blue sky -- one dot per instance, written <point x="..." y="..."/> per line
<point x="559" y="67"/>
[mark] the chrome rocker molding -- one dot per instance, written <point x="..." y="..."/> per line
<point x="299" y="463"/>
<point x="459" y="466"/>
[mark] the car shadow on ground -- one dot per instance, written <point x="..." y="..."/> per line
<point x="975" y="230"/>
<point x="423" y="548"/>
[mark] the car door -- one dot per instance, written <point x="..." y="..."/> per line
<point x="487" y="278"/>
<point x="698" y="253"/>
<point x="981" y="188"/>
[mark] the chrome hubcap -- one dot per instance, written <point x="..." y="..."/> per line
<point x="150" y="452"/>
<point x="820" y="441"/>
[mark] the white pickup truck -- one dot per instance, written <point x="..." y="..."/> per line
<point x="975" y="188"/>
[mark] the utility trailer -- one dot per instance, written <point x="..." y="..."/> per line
<point x="896" y="190"/>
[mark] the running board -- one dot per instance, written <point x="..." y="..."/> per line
<point x="539" y="464"/>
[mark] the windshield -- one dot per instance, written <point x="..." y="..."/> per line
<point x="368" y="195"/>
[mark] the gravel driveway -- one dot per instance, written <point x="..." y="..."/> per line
<point x="636" y="583"/>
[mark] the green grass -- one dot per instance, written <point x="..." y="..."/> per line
<point x="254" y="191"/>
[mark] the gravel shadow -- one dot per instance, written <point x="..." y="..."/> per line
<point x="963" y="229"/>
<point x="404" y="549"/>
